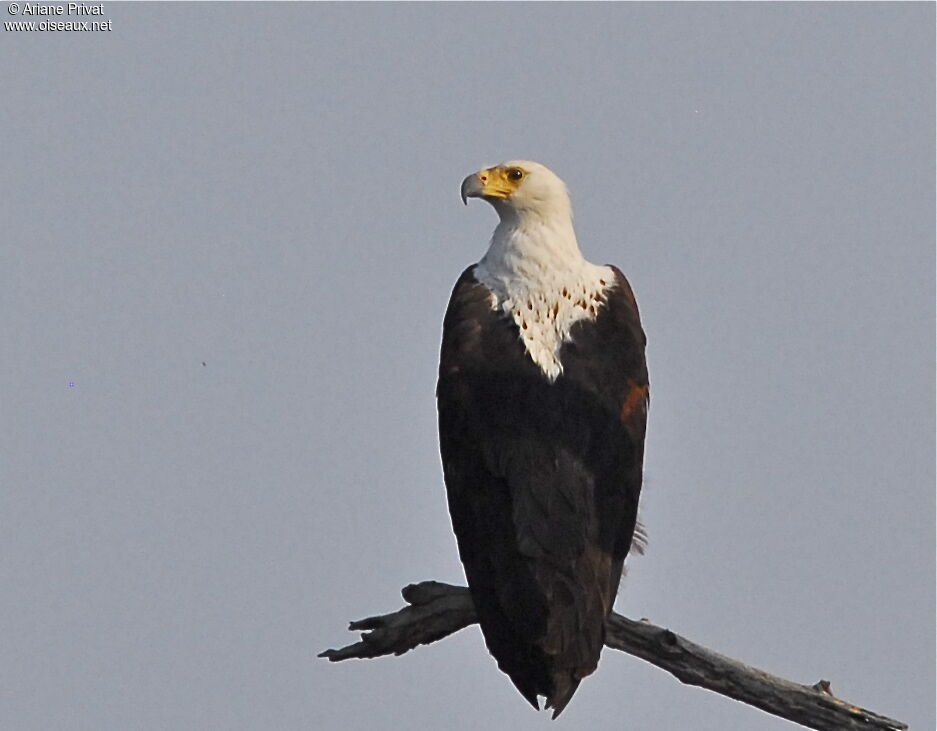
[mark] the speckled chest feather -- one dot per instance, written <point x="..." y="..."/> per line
<point x="545" y="308"/>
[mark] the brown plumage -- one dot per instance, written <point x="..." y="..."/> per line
<point x="543" y="481"/>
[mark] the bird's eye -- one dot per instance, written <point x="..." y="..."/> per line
<point x="515" y="174"/>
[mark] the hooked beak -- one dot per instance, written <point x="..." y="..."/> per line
<point x="472" y="187"/>
<point x="487" y="184"/>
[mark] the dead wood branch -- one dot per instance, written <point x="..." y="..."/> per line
<point x="437" y="610"/>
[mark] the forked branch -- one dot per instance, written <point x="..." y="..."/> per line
<point x="436" y="610"/>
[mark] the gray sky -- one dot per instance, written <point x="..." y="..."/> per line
<point x="273" y="190"/>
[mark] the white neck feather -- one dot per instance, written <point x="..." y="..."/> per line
<point x="538" y="277"/>
<point x="527" y="248"/>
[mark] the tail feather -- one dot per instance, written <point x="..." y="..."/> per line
<point x="564" y="685"/>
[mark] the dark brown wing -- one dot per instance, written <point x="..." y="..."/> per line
<point x="543" y="480"/>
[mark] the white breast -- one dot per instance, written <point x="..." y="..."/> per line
<point x="545" y="307"/>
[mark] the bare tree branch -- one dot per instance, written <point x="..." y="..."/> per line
<point x="437" y="610"/>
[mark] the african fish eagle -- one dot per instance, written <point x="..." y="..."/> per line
<point x="542" y="398"/>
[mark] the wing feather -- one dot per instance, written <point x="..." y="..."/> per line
<point x="543" y="479"/>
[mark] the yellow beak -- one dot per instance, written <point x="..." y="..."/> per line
<point x="484" y="184"/>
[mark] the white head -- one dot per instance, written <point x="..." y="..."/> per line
<point x="533" y="267"/>
<point x="522" y="192"/>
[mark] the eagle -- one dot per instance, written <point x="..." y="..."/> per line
<point x="542" y="400"/>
